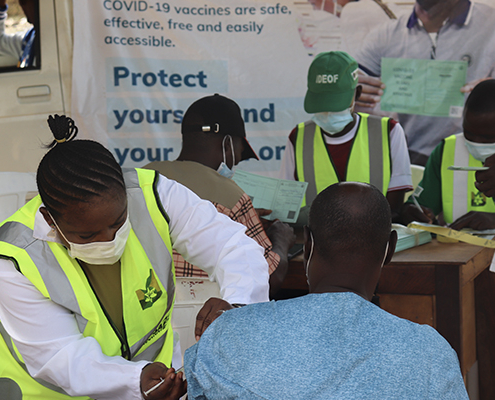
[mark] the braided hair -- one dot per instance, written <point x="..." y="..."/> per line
<point x="75" y="171"/>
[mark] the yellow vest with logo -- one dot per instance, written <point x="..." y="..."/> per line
<point x="459" y="194"/>
<point x="369" y="159"/>
<point x="148" y="286"/>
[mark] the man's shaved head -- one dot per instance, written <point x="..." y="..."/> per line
<point x="350" y="217"/>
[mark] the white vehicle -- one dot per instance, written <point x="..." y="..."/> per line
<point x="28" y="96"/>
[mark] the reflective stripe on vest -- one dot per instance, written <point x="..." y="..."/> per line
<point x="459" y="194"/>
<point x="155" y="239"/>
<point x="13" y="373"/>
<point x="15" y="355"/>
<point x="146" y="265"/>
<point x="369" y="158"/>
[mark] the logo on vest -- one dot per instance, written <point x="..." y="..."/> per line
<point x="478" y="199"/>
<point x="151" y="293"/>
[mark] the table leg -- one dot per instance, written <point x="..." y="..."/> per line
<point x="485" y="332"/>
<point x="455" y="321"/>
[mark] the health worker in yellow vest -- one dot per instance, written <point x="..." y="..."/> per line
<point x="338" y="144"/>
<point x="452" y="195"/>
<point x="87" y="281"/>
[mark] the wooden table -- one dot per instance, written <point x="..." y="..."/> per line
<point x="440" y="284"/>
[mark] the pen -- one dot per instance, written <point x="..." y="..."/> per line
<point x="434" y="222"/>
<point x="417" y="192"/>
<point x="416" y="203"/>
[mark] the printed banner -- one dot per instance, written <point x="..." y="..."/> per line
<point x="139" y="64"/>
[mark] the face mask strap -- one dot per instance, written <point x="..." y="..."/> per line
<point x="223" y="148"/>
<point x="353" y="103"/>
<point x="231" y="148"/>
<point x="385" y="256"/>
<point x="310" y="253"/>
<point x="55" y="223"/>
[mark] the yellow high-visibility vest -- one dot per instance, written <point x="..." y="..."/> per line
<point x="148" y="286"/>
<point x="369" y="159"/>
<point x="459" y="194"/>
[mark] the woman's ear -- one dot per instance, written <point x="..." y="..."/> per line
<point x="47" y="217"/>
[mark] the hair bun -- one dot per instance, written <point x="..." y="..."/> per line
<point x="62" y="127"/>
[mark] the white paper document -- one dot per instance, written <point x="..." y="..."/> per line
<point x="282" y="196"/>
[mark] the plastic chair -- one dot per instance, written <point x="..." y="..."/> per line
<point x="190" y="295"/>
<point x="14" y="188"/>
<point x="417" y="172"/>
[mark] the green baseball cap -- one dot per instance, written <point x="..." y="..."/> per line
<point x="332" y="79"/>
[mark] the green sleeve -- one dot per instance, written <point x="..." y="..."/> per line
<point x="431" y="196"/>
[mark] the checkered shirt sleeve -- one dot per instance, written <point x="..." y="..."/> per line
<point x="244" y="213"/>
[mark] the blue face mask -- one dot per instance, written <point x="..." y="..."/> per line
<point x="333" y="122"/>
<point x="223" y="169"/>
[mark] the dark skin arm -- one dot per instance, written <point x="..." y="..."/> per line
<point x="475" y="220"/>
<point x="410" y="213"/>
<point x="212" y="309"/>
<point x="371" y="93"/>
<point x="396" y="200"/>
<point x="173" y="387"/>
<point x="485" y="180"/>
<point x="262" y="212"/>
<point x="282" y="237"/>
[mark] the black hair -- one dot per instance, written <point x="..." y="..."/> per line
<point x="75" y="171"/>
<point x="345" y="223"/>
<point x="481" y="100"/>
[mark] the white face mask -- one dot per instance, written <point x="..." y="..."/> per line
<point x="333" y="122"/>
<point x="480" y="151"/>
<point x="223" y="169"/>
<point x="100" y="253"/>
